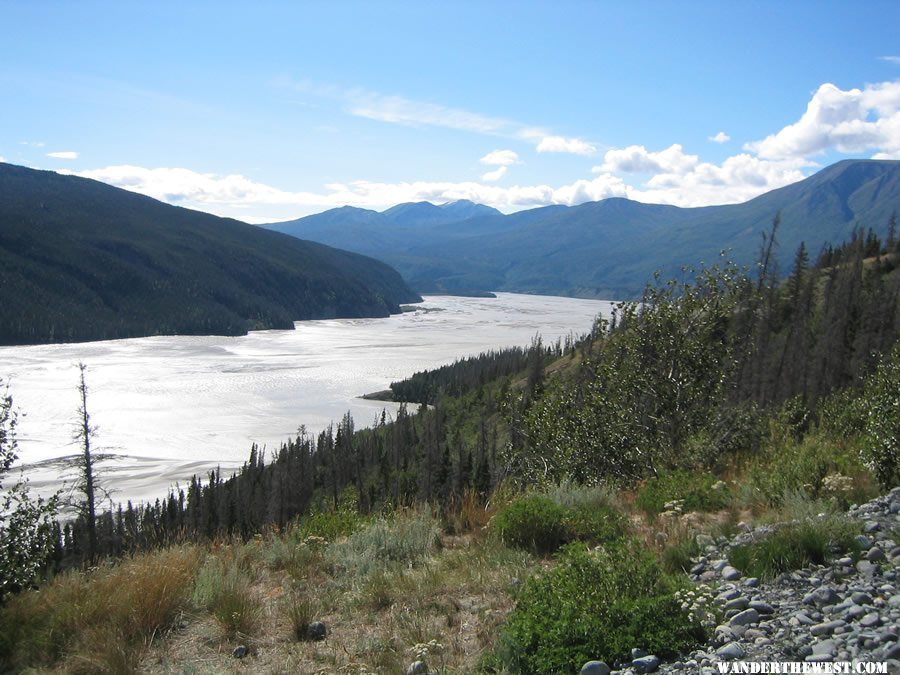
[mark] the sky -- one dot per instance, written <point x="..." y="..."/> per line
<point x="269" y="111"/>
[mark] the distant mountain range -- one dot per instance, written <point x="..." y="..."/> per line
<point x="606" y="249"/>
<point x="81" y="260"/>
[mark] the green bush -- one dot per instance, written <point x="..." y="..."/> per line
<point x="802" y="466"/>
<point x="539" y="524"/>
<point x="403" y="538"/>
<point x="694" y="491"/>
<point x="596" y="604"/>
<point x="330" y="525"/>
<point x="795" y="546"/>
<point x="533" y="522"/>
<point x="881" y="451"/>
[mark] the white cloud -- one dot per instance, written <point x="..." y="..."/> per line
<point x="891" y="59"/>
<point x="853" y="121"/>
<point x="399" y="110"/>
<point x="2" y="158"/>
<point x="500" y="158"/>
<point x="720" y="137"/>
<point x="637" y="159"/>
<point x="494" y="175"/>
<point x="575" y="146"/>
<point x="66" y="154"/>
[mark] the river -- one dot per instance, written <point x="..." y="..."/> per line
<point x="170" y="406"/>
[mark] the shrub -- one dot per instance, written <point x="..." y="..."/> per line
<point x="802" y="466"/>
<point x="330" y="525"/>
<point x="694" y="492"/>
<point x="881" y="451"/>
<point x="533" y="522"/>
<point x="596" y="604"/>
<point x="404" y="538"/>
<point x="541" y="524"/>
<point x="795" y="546"/>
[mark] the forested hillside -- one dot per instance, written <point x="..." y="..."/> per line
<point x="80" y="260"/>
<point x="540" y="487"/>
<point x="610" y="248"/>
<point x="683" y="379"/>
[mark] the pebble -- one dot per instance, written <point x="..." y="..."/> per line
<point x="844" y="610"/>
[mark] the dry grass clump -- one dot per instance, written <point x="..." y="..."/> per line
<point x="102" y="620"/>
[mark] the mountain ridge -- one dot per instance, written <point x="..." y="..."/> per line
<point x="612" y="247"/>
<point x="82" y="260"/>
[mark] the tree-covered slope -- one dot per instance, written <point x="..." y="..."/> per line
<point x="612" y="247"/>
<point x="81" y="260"/>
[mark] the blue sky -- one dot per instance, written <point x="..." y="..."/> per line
<point x="269" y="111"/>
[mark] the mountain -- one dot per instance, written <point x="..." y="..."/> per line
<point x="81" y="260"/>
<point x="610" y="248"/>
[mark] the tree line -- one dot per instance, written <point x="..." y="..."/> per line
<point x="680" y="378"/>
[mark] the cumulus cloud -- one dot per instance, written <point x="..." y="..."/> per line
<point x="637" y="159"/>
<point x="66" y="154"/>
<point x="494" y="175"/>
<point x="500" y="158"/>
<point x="2" y="158"/>
<point x="575" y="146"/>
<point x="852" y="121"/>
<point x="720" y="137"/>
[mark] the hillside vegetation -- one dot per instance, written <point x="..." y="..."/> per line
<point x="538" y="500"/>
<point x="80" y="260"/>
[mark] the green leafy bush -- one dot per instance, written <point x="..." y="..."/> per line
<point x="539" y="524"/>
<point x="596" y="604"/>
<point x="533" y="522"/>
<point x="795" y="546"/>
<point x="694" y="491"/>
<point x="881" y="451"/>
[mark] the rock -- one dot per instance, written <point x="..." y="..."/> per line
<point x="822" y="597"/>
<point x="863" y="541"/>
<point x="763" y="608"/>
<point x="871" y="526"/>
<point x="730" y="574"/>
<point x="825" y="647"/>
<point x="870" y="620"/>
<point x="875" y="554"/>
<point x="638" y="653"/>
<point x="861" y="598"/>
<point x="745" y="618"/>
<point x="595" y="668"/>
<point x="827" y="628"/>
<point x="737" y="603"/>
<point x="892" y="652"/>
<point x="751" y="582"/>
<point x="316" y="631"/>
<point x="645" y="664"/>
<point x="867" y="568"/>
<point x="730" y="652"/>
<point x="240" y="652"/>
<point x="420" y="668"/>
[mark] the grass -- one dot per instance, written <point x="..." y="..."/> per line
<point x="795" y="545"/>
<point x="102" y="620"/>
<point x="223" y="588"/>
